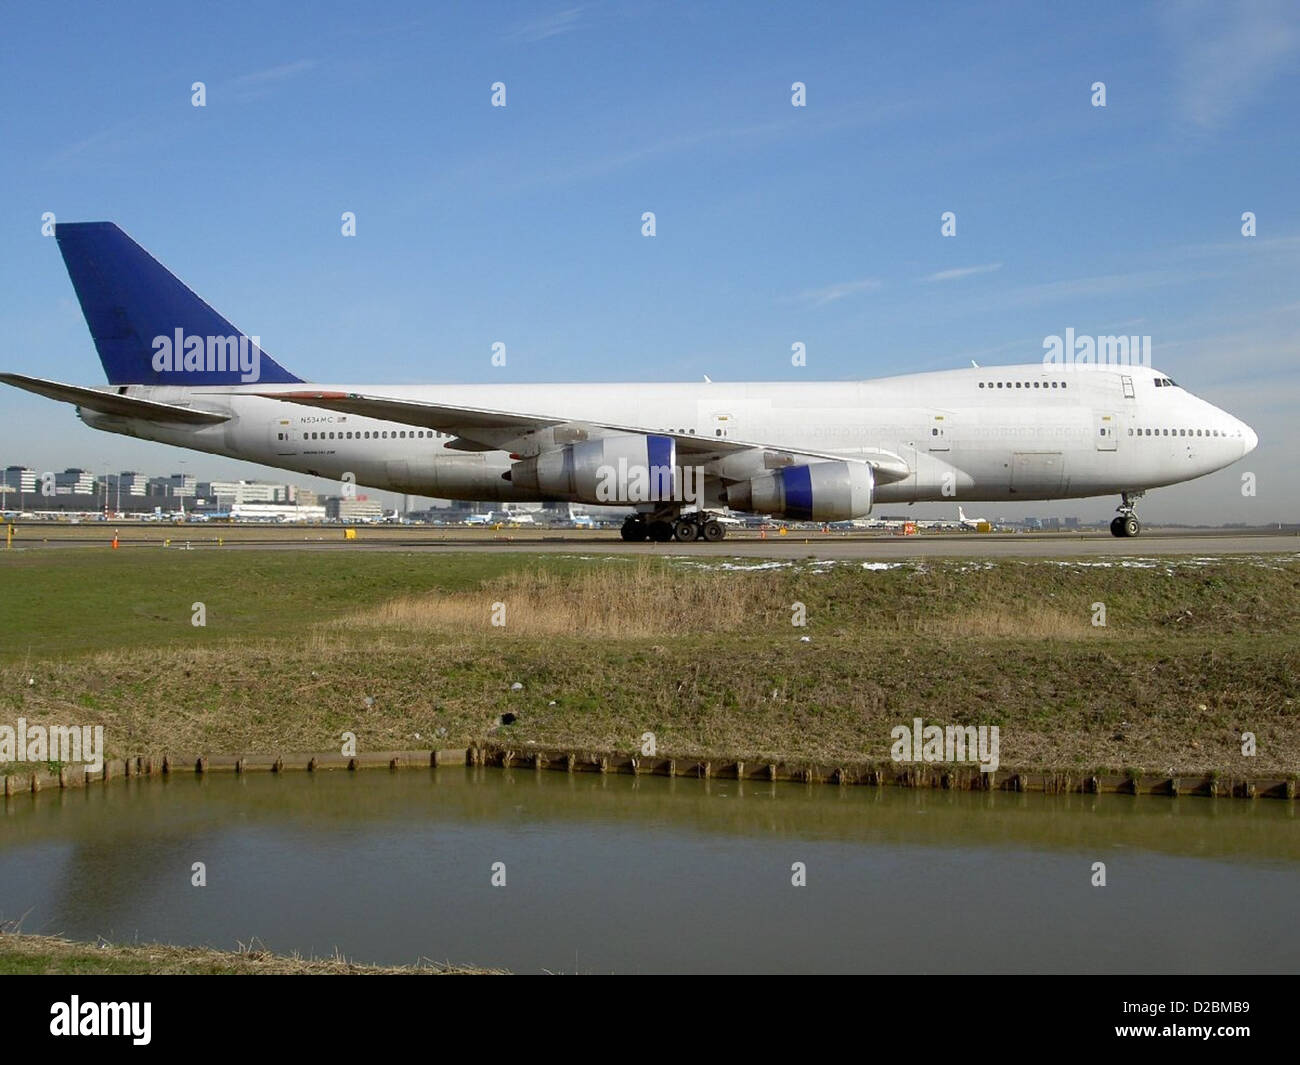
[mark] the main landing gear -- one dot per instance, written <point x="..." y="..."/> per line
<point x="1126" y="523"/>
<point x="662" y="529"/>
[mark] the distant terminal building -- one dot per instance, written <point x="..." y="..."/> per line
<point x="75" y="482"/>
<point x="177" y="485"/>
<point x="341" y="508"/>
<point x="237" y="493"/>
<point x="127" y="483"/>
<point x="20" y="479"/>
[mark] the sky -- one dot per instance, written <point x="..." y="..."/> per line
<point x="774" y="224"/>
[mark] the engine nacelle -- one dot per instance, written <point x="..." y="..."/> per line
<point x="822" y="491"/>
<point x="623" y="469"/>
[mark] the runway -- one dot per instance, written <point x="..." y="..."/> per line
<point x="795" y="545"/>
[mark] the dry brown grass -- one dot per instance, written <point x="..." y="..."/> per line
<point x="36" y="955"/>
<point x="644" y="600"/>
<point x="615" y="601"/>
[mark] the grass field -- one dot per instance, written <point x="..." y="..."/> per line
<point x="401" y="649"/>
<point x="24" y="955"/>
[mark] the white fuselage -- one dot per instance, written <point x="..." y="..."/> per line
<point x="979" y="434"/>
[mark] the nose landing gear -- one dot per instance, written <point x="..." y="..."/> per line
<point x="1126" y="523"/>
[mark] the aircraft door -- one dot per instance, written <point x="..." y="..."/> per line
<point x="285" y="439"/>
<point x="940" y="427"/>
<point x="1106" y="430"/>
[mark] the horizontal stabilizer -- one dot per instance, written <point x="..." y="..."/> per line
<point x="112" y="402"/>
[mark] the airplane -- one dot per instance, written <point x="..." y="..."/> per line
<point x="972" y="523"/>
<point x="512" y="517"/>
<point x="672" y="455"/>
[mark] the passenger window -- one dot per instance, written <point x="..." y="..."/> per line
<point x="981" y="384"/>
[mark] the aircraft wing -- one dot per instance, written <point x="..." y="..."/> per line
<point x="112" y="402"/>
<point x="482" y="429"/>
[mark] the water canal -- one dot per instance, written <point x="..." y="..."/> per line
<point x="647" y="874"/>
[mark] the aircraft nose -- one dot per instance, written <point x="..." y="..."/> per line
<point x="1249" y="439"/>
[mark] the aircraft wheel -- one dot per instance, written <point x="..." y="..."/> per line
<point x="634" y="530"/>
<point x="661" y="531"/>
<point x="685" y="531"/>
<point x="712" y="531"/>
<point x="1131" y="525"/>
<point x="1117" y="526"/>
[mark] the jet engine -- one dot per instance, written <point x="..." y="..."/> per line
<point x="821" y="491"/>
<point x="625" y="468"/>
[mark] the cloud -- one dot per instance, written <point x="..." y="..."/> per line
<point x="114" y="140"/>
<point x="284" y="70"/>
<point x="964" y="271"/>
<point x="1225" y="53"/>
<point x="820" y="297"/>
<point x="1103" y="285"/>
<point x="544" y="26"/>
<point x="259" y="83"/>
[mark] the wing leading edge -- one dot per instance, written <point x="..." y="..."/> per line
<point x="478" y="428"/>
